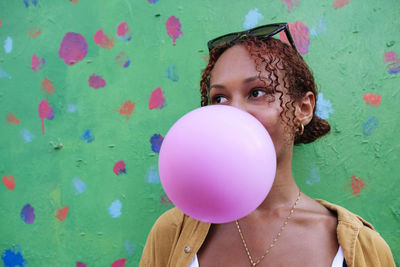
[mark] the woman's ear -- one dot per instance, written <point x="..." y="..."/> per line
<point x="304" y="108"/>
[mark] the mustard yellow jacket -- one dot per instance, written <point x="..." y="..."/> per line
<point x="175" y="238"/>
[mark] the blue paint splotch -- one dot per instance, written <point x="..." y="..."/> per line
<point x="156" y="141"/>
<point x="370" y="125"/>
<point x="172" y="74"/>
<point x="28" y="214"/>
<point x="8" y="45"/>
<point x="115" y="209"/>
<point x="152" y="1"/>
<point x="152" y="175"/>
<point x="87" y="136"/>
<point x="27" y="135"/>
<point x="13" y="258"/>
<point x="4" y="74"/>
<point x="319" y="28"/>
<point x="253" y="17"/>
<point x="79" y="185"/>
<point x="72" y="108"/>
<point x="130" y="248"/>
<point x="314" y="177"/>
<point x="26" y="2"/>
<point x="324" y="107"/>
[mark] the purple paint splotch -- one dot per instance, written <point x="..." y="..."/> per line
<point x="172" y="74"/>
<point x="370" y="125"/>
<point x="13" y="258"/>
<point x="96" y="81"/>
<point x="300" y="34"/>
<point x="290" y="4"/>
<point x="156" y="141"/>
<point x="34" y="2"/>
<point x="87" y="136"/>
<point x="28" y="214"/>
<point x="173" y="26"/>
<point x="73" y="48"/>
<point x="152" y="1"/>
<point x="393" y="62"/>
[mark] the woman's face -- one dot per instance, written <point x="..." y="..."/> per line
<point x="234" y="81"/>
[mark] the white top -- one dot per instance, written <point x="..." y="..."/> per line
<point x="337" y="261"/>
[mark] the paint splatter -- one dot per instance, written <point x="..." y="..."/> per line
<point x="340" y="3"/>
<point x="315" y="178"/>
<point x="324" y="107"/>
<point x="290" y="4"/>
<point x="357" y="184"/>
<point x="61" y="214"/>
<point x="122" y="60"/>
<point x="300" y="34"/>
<point x="173" y="26"/>
<point x="87" y="136"/>
<point x="28" y="214"/>
<point x="123" y="32"/>
<point x="372" y="99"/>
<point x="72" y="108"/>
<point x="119" y="263"/>
<point x="13" y="258"/>
<point x="78" y="263"/>
<point x="12" y="119"/>
<point x="73" y="48"/>
<point x="96" y="82"/>
<point x="119" y="167"/>
<point x="103" y="40"/>
<point x="152" y="175"/>
<point x="45" y="112"/>
<point x="127" y="108"/>
<point x="8" y="45"/>
<point x="130" y="248"/>
<point x="152" y="1"/>
<point x="393" y="62"/>
<point x="34" y="32"/>
<point x="27" y="135"/>
<point x="157" y="99"/>
<point x="9" y="182"/>
<point x="74" y="2"/>
<point x="318" y="29"/>
<point x="172" y="74"/>
<point x="165" y="201"/>
<point x="4" y="74"/>
<point x="36" y="63"/>
<point x="370" y="125"/>
<point x="115" y="209"/>
<point x="156" y="141"/>
<point x="47" y="86"/>
<point x="1" y="22"/>
<point x="253" y="17"/>
<point x="34" y="2"/>
<point x="79" y="185"/>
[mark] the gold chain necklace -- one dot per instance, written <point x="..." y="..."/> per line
<point x="254" y="263"/>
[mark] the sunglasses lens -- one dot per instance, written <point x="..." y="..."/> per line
<point x="265" y="30"/>
<point x="221" y="40"/>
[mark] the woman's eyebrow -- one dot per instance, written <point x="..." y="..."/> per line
<point x="217" y="86"/>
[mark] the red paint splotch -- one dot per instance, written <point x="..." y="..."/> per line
<point x="36" y="63"/>
<point x="393" y="61"/>
<point x="1" y="22"/>
<point x="173" y="26"/>
<point x="119" y="167"/>
<point x="127" y="108"/>
<point x="340" y="3"/>
<point x="96" y="81"/>
<point x="47" y="86"/>
<point x="34" y="32"/>
<point x="357" y="185"/>
<point x="73" y="48"/>
<point x="80" y="264"/>
<point x="45" y="112"/>
<point x="157" y="99"/>
<point x="290" y="3"/>
<point x="119" y="263"/>
<point x="9" y="182"/>
<point x="12" y="119"/>
<point x="61" y="214"/>
<point x="300" y="35"/>
<point x="124" y="32"/>
<point x="103" y="40"/>
<point x="372" y="99"/>
<point x="74" y="2"/>
<point x="165" y="201"/>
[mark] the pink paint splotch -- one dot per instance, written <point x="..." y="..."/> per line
<point x="119" y="167"/>
<point x="9" y="182"/>
<point x="393" y="62"/>
<point x="96" y="81"/>
<point x="340" y="3"/>
<point x="372" y="99"/>
<point x="290" y="4"/>
<point x="157" y="100"/>
<point x="45" y="112"/>
<point x="80" y="264"/>
<point x="357" y="185"/>
<point x="12" y="119"/>
<point x="73" y="48"/>
<point x="300" y="35"/>
<point x="103" y="40"/>
<point x="62" y="213"/>
<point x="119" y="263"/>
<point x="127" y="108"/>
<point x="124" y="32"/>
<point x="173" y="26"/>
<point x="37" y="63"/>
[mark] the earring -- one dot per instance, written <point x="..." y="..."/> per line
<point x="300" y="130"/>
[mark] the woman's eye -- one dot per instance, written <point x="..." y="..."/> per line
<point x="219" y="99"/>
<point x="256" y="93"/>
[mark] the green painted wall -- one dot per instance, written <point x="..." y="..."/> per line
<point x="61" y="200"/>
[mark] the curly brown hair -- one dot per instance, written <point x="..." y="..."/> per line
<point x="275" y="56"/>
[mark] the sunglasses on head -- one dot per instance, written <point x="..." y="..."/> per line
<point x="258" y="32"/>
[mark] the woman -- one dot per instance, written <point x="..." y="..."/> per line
<point x="270" y="80"/>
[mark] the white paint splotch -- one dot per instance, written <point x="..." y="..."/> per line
<point x="324" y="107"/>
<point x="79" y="185"/>
<point x="115" y="209"/>
<point x="8" y="45"/>
<point x="252" y="18"/>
